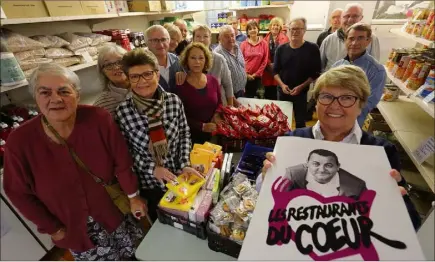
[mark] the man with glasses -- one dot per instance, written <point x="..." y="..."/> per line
<point x="333" y="47"/>
<point x="158" y="43"/>
<point x="357" y="38"/>
<point x="296" y="66"/>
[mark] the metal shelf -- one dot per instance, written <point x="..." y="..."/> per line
<point x="400" y="32"/>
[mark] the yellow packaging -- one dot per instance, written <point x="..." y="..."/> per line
<point x="24" y="9"/>
<point x="186" y="185"/>
<point x="215" y="191"/>
<point x="170" y="200"/>
<point x="201" y="160"/>
<point x="93" y="7"/>
<point x="215" y="148"/>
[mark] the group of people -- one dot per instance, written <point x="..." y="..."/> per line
<point x="155" y="104"/>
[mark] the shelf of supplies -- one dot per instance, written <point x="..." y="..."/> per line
<point x="410" y="142"/>
<point x="9" y="88"/>
<point x="244" y="8"/>
<point x="400" y="32"/>
<point x="14" y="21"/>
<point x="405" y="115"/>
<point x="427" y="107"/>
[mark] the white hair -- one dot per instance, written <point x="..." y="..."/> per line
<point x="302" y="19"/>
<point x="337" y="9"/>
<point x="155" y="28"/>
<point x="225" y="28"/>
<point x="350" y="5"/>
<point x="53" y="69"/>
<point x="108" y="49"/>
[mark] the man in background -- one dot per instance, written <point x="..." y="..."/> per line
<point x="234" y="22"/>
<point x="357" y="38"/>
<point x="333" y="47"/>
<point x="181" y="24"/>
<point x="296" y="65"/>
<point x="157" y="38"/>
<point x="335" y="22"/>
<point x="234" y="57"/>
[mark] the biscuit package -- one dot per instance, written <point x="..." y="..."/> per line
<point x="186" y="185"/>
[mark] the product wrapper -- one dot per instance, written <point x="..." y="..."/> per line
<point x="172" y="201"/>
<point x="186" y="185"/>
<point x="201" y="159"/>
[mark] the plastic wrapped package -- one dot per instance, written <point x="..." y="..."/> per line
<point x="76" y="41"/>
<point x="56" y="52"/>
<point x="97" y="39"/>
<point x="30" y="54"/>
<point x="99" y="47"/>
<point x="50" y="40"/>
<point x="19" y="43"/>
<point x="92" y="50"/>
<point x="68" y="61"/>
<point x="29" y="72"/>
<point x="33" y="63"/>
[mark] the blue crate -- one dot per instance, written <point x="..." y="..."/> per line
<point x="251" y="149"/>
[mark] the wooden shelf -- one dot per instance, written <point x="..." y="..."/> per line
<point x="427" y="107"/>
<point x="410" y="142"/>
<point x="244" y="8"/>
<point x="400" y="32"/>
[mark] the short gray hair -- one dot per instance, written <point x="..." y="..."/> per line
<point x="102" y="53"/>
<point x="350" y="5"/>
<point x="155" y="28"/>
<point x="302" y="19"/>
<point x="53" y="69"/>
<point x="225" y="28"/>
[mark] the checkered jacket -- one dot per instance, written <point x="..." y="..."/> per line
<point x="135" y="128"/>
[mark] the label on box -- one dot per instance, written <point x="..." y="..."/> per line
<point x="425" y="150"/>
<point x="429" y="97"/>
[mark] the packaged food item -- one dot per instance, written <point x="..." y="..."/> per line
<point x="216" y="187"/>
<point x="68" y="61"/>
<point x="242" y="187"/>
<point x="238" y="234"/>
<point x="186" y="185"/>
<point x="172" y="201"/>
<point x="33" y="63"/>
<point x="414" y="80"/>
<point x="230" y="204"/>
<point x="219" y="217"/>
<point x="50" y="40"/>
<point x="19" y="43"/>
<point x="418" y="28"/>
<point x="410" y="68"/>
<point x="97" y="39"/>
<point x="76" y="41"/>
<point x="92" y="50"/>
<point x="56" y="52"/>
<point x="391" y="93"/>
<point x="201" y="160"/>
<point x="402" y="66"/>
<point x="31" y="54"/>
<point x="215" y="148"/>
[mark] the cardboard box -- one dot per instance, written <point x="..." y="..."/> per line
<point x="144" y="6"/>
<point x="110" y="6"/>
<point x="24" y="9"/>
<point x="93" y="7"/>
<point x="64" y="8"/>
<point x="167" y="5"/>
<point x="122" y="6"/>
<point x="2" y="13"/>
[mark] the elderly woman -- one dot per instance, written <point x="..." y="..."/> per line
<point x="115" y="82"/>
<point x="341" y="93"/>
<point x="255" y="52"/>
<point x="219" y="68"/>
<point x="155" y="127"/>
<point x="273" y="39"/>
<point x="200" y="92"/>
<point x="48" y="166"/>
<point x="175" y="35"/>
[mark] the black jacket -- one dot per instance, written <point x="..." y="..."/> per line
<point x="322" y="36"/>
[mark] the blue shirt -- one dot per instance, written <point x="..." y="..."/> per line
<point x="376" y="75"/>
<point x="236" y="64"/>
<point x="240" y="38"/>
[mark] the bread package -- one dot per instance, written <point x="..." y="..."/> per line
<point x="92" y="50"/>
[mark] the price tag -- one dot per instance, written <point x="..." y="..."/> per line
<point x="425" y="150"/>
<point x="429" y="97"/>
<point x="87" y="57"/>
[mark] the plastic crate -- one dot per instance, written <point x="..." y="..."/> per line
<point x="197" y="229"/>
<point x="222" y="244"/>
<point x="237" y="145"/>
<point x="251" y="149"/>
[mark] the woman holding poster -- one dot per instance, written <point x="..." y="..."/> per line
<point x="341" y="93"/>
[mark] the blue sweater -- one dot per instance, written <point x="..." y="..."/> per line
<point x="393" y="158"/>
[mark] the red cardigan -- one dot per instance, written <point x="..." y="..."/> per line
<point x="47" y="186"/>
<point x="268" y="79"/>
<point x="255" y="57"/>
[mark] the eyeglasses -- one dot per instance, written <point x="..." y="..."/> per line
<point x="358" y="39"/>
<point x="345" y="101"/>
<point x="156" y="41"/>
<point x="296" y="29"/>
<point x="147" y="75"/>
<point x="112" y="66"/>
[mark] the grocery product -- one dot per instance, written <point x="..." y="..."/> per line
<point x="402" y="66"/>
<point x="410" y="68"/>
<point x="186" y="185"/>
<point x="97" y="39"/>
<point x="11" y="72"/>
<point x="36" y="53"/>
<point x="391" y="93"/>
<point x="68" y="61"/>
<point x="33" y="63"/>
<point x="92" y="50"/>
<point x="50" y="40"/>
<point x="76" y="41"/>
<point x="19" y="43"/>
<point x="57" y="52"/>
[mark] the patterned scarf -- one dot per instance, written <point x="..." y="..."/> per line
<point x="153" y="109"/>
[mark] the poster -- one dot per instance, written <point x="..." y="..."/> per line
<point x="330" y="201"/>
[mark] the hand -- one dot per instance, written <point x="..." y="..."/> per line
<point x="270" y="159"/>
<point x="253" y="76"/>
<point x="138" y="207"/>
<point x="396" y="175"/>
<point x="236" y="102"/>
<point x="162" y="174"/>
<point x="180" y="78"/>
<point x="191" y="170"/>
<point x="296" y="91"/>
<point x="250" y="78"/>
<point x="285" y="89"/>
<point x="209" y="128"/>
<point x="59" y="235"/>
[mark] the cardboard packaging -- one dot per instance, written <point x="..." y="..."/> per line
<point x="2" y="13"/>
<point x="24" y="9"/>
<point x="144" y="6"/>
<point x="110" y="6"/>
<point x="64" y="8"/>
<point x="167" y="5"/>
<point x="122" y="6"/>
<point x="93" y="7"/>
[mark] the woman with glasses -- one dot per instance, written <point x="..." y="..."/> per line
<point x="200" y="92"/>
<point x="341" y="93"/>
<point x="115" y="83"/>
<point x="155" y="127"/>
<point x="255" y="52"/>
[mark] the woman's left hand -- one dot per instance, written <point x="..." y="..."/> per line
<point x="138" y="207"/>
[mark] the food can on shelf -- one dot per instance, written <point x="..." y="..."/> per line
<point x="396" y="59"/>
<point x="391" y="93"/>
<point x="402" y="66"/>
<point x="409" y="68"/>
<point x="413" y="82"/>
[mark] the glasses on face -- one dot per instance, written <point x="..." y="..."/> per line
<point x="113" y="65"/>
<point x="345" y="101"/>
<point x="358" y="39"/>
<point x="147" y="75"/>
<point x="296" y="29"/>
<point x="353" y="17"/>
<point x="156" y="41"/>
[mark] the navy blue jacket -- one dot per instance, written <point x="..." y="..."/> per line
<point x="393" y="157"/>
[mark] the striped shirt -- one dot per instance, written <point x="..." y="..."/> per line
<point x="236" y="64"/>
<point x="111" y="98"/>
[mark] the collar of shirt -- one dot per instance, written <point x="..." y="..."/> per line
<point x="354" y="136"/>
<point x="359" y="59"/>
<point x="327" y="190"/>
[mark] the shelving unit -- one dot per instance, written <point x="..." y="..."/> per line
<point x="400" y="32"/>
<point x="243" y="8"/>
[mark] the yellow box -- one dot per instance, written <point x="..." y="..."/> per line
<point x="144" y="6"/>
<point x="64" y="8"/>
<point x="24" y="9"/>
<point x="167" y="5"/>
<point x="93" y="7"/>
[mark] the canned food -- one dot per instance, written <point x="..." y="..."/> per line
<point x="409" y="68"/>
<point x="412" y="82"/>
<point x="402" y="66"/>
<point x="391" y="93"/>
<point x="396" y="59"/>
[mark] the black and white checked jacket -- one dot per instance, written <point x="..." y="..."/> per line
<point x="135" y="128"/>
